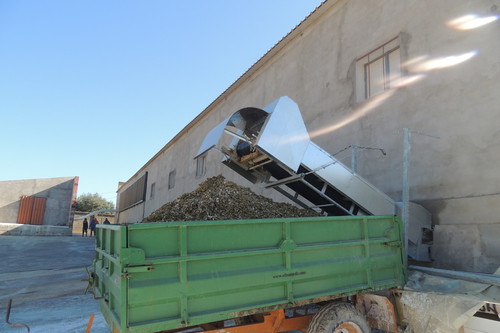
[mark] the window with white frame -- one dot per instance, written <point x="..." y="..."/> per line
<point x="200" y="165"/>
<point x="171" y="179"/>
<point x="378" y="70"/>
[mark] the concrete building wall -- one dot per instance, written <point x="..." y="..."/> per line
<point x="450" y="101"/>
<point x="57" y="191"/>
<point x="77" y="226"/>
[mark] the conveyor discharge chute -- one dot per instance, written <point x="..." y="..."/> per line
<point x="272" y="146"/>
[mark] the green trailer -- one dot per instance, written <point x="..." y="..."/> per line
<point x="152" y="277"/>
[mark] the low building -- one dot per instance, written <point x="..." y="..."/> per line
<point x="46" y="201"/>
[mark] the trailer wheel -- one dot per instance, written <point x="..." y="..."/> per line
<point x="338" y="317"/>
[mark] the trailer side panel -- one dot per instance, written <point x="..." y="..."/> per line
<point x="160" y="276"/>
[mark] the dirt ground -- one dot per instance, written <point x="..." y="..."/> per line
<point x="43" y="277"/>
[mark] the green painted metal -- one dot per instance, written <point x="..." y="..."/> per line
<point x="158" y="276"/>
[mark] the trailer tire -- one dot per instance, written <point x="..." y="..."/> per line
<point x="338" y="317"/>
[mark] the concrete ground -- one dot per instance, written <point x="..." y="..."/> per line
<point x="42" y="276"/>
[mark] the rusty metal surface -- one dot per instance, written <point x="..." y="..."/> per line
<point x="31" y="210"/>
<point x="38" y="210"/>
<point x="25" y="209"/>
<point x="274" y="322"/>
<point x="379" y="311"/>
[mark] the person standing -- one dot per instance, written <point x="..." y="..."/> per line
<point x="106" y="221"/>
<point x="93" y="223"/>
<point x="85" y="227"/>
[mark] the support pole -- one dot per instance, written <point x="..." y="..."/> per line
<point x="406" y="189"/>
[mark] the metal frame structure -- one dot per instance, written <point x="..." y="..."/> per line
<point x="272" y="146"/>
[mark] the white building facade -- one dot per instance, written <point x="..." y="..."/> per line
<point x="361" y="71"/>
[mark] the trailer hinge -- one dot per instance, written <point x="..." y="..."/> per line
<point x="136" y="269"/>
<point x="393" y="244"/>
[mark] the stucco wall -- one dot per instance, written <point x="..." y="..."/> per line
<point x="452" y="112"/>
<point x="57" y="191"/>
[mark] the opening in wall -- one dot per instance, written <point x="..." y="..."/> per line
<point x="200" y="165"/>
<point x="152" y="191"/>
<point x="171" y="179"/>
<point x="379" y="70"/>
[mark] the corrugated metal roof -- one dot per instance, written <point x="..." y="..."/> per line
<point x="315" y="14"/>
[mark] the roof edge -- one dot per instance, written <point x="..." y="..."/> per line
<point x="282" y="43"/>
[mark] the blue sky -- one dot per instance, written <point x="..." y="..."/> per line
<point x="94" y="88"/>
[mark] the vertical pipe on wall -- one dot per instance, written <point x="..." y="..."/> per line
<point x="406" y="188"/>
